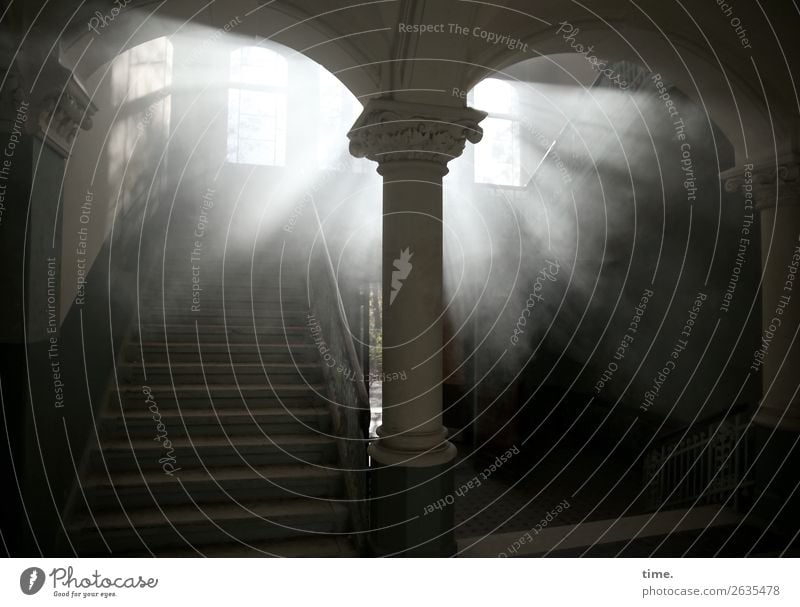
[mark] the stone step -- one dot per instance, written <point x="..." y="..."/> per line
<point x="214" y="485"/>
<point x="219" y="351"/>
<point x="178" y="373"/>
<point x="319" y="547"/>
<point x="178" y="259"/>
<point x="214" y="286"/>
<point x="241" y="313"/>
<point x="251" y="396"/>
<point x="250" y="450"/>
<point x="142" y="423"/>
<point x="179" y="298"/>
<point x="201" y="400"/>
<point x="190" y="326"/>
<point x="179" y="254"/>
<point x="236" y="333"/>
<point x="208" y="524"/>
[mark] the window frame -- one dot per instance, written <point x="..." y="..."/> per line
<point x="281" y="120"/>
<point x="516" y="125"/>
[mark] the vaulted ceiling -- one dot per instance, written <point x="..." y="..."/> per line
<point x="748" y="89"/>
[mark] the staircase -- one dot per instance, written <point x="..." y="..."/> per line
<point x="217" y="439"/>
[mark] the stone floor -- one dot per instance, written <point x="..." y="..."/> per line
<point x="517" y="499"/>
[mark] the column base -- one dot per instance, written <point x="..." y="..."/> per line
<point x="410" y="515"/>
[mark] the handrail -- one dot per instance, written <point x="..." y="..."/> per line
<point x="344" y="323"/>
<point x="706" y="464"/>
<point x="128" y="326"/>
<point x="347" y="392"/>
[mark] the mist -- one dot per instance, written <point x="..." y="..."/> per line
<point x="541" y="271"/>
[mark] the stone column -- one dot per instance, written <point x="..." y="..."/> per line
<point x="775" y="189"/>
<point x="412" y="460"/>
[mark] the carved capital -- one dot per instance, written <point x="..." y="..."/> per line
<point x="389" y="131"/>
<point x="62" y="113"/>
<point x="12" y="94"/>
<point x="769" y="183"/>
<point x="54" y="102"/>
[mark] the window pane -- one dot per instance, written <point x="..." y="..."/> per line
<point x="142" y="70"/>
<point x="257" y="118"/>
<point x="260" y="103"/>
<point x="233" y="144"/>
<point x="257" y="127"/>
<point x="254" y="152"/>
<point x="495" y="96"/>
<point x="258" y="66"/>
<point x="497" y="155"/>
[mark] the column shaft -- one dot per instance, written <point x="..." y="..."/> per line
<point x="412" y="431"/>
<point x="773" y="435"/>
<point x="780" y="311"/>
<point x="412" y="461"/>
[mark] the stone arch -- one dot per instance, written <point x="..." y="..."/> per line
<point x="86" y="50"/>
<point x="732" y="101"/>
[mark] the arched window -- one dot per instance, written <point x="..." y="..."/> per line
<point x="142" y="70"/>
<point x="497" y="156"/>
<point x="257" y="107"/>
<point x="141" y="80"/>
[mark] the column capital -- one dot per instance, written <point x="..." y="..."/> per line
<point x="770" y="182"/>
<point x="55" y="109"/>
<point x="61" y="113"/>
<point x="389" y="131"/>
<point x="12" y="93"/>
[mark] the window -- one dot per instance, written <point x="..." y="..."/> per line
<point x="141" y="78"/>
<point x="141" y="71"/>
<point x="257" y="107"/>
<point x="497" y="156"/>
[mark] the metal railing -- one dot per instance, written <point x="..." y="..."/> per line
<point x="345" y="379"/>
<point x="700" y="465"/>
